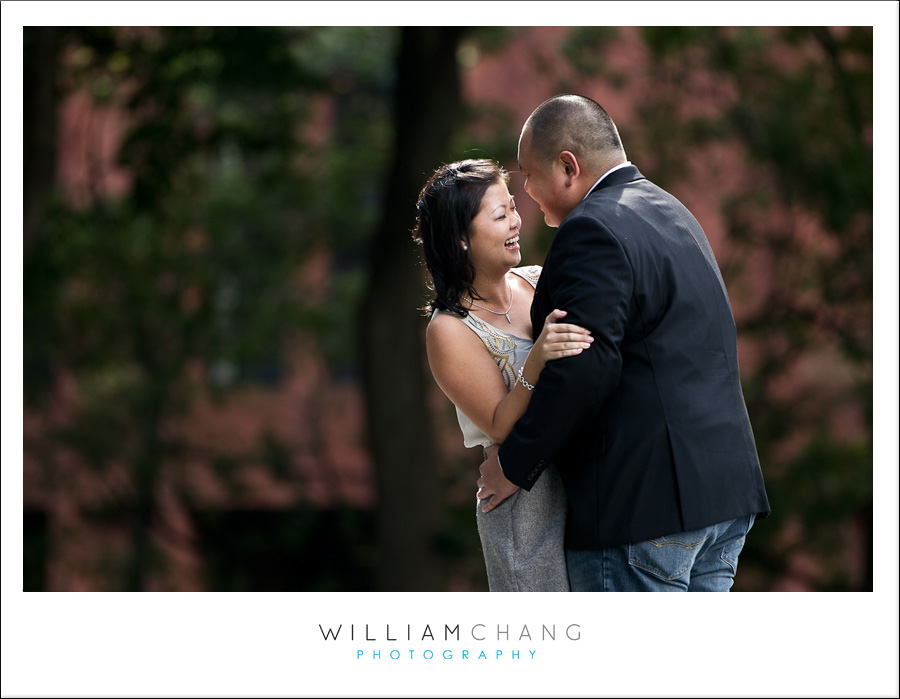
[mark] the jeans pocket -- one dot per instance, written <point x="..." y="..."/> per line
<point x="731" y="552"/>
<point x="733" y="548"/>
<point x="668" y="557"/>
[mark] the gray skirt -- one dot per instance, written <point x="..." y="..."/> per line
<point x="522" y="538"/>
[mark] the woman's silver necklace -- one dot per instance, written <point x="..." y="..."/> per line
<point x="498" y="313"/>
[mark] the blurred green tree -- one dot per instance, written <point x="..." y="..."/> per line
<point x="197" y="266"/>
<point x="411" y="505"/>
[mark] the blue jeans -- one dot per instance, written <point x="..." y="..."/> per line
<point x="702" y="560"/>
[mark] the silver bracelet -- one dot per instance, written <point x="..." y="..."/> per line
<point x="527" y="385"/>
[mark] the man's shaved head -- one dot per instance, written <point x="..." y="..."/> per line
<point x="576" y="124"/>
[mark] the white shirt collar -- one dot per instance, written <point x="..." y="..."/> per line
<point x="611" y="170"/>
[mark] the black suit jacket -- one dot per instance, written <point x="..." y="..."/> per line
<point x="648" y="427"/>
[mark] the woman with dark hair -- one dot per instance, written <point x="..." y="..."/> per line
<point x="482" y="356"/>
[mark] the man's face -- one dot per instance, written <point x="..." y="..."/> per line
<point x="545" y="186"/>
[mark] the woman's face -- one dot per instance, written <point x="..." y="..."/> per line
<point x="494" y="232"/>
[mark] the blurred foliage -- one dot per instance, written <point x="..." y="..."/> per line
<point x="798" y="103"/>
<point x="197" y="267"/>
<point x="193" y="264"/>
<point x="586" y="48"/>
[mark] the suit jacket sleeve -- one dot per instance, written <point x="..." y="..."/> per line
<point x="588" y="275"/>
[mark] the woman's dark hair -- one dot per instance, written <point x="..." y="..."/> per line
<point x="447" y="204"/>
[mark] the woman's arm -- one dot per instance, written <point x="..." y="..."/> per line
<point x="468" y="375"/>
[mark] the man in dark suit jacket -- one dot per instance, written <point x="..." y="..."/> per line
<point x="648" y="426"/>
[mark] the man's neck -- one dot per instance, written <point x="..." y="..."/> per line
<point x="608" y="170"/>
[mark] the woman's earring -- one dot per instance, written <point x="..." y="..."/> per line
<point x="465" y="247"/>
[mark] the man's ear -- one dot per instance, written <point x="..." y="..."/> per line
<point x="570" y="165"/>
